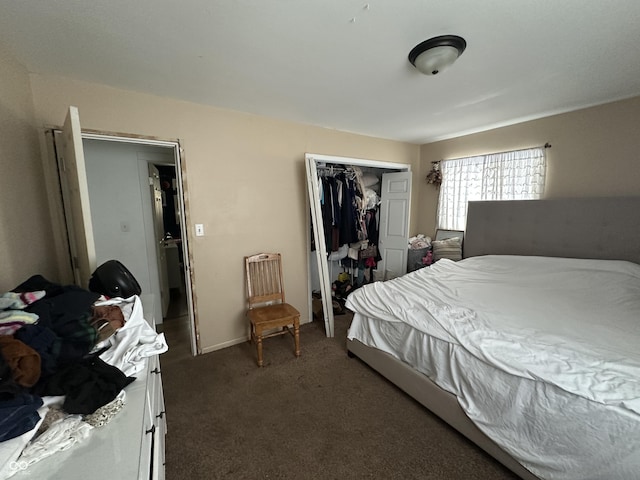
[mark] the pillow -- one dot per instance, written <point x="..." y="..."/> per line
<point x="369" y="180"/>
<point x="450" y="248"/>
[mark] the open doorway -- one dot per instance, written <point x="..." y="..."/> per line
<point x="123" y="219"/>
<point x="175" y="322"/>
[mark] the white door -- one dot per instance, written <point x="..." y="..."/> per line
<point x="395" y="202"/>
<point x="158" y="225"/>
<point x="73" y="176"/>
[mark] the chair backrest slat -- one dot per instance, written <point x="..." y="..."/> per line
<point x="264" y="279"/>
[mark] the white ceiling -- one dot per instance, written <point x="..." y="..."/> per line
<point x="342" y="64"/>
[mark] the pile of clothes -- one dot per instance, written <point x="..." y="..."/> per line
<point x="420" y="252"/>
<point x="61" y="366"/>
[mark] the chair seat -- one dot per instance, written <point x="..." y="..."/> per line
<point x="276" y="315"/>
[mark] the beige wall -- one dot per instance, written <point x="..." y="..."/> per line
<point x="595" y="152"/>
<point x="26" y="238"/>
<point x="246" y="184"/>
<point x="245" y="177"/>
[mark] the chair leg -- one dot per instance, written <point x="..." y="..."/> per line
<point x="296" y="335"/>
<point x="259" y="347"/>
<point x="256" y="337"/>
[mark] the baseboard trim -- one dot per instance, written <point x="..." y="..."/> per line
<point x="220" y="346"/>
<point x="235" y="341"/>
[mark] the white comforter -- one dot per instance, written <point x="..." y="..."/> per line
<point x="566" y="325"/>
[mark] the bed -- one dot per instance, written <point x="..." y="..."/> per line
<point x="485" y="375"/>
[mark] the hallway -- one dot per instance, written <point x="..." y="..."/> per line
<point x="175" y="327"/>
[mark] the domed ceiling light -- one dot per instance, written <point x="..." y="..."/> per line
<point x="434" y="55"/>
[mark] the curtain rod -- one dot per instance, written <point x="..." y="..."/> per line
<point x="546" y="145"/>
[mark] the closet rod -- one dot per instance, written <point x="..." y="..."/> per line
<point x="338" y="167"/>
<point x="325" y="170"/>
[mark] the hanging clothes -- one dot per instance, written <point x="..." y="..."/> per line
<point x="342" y="207"/>
<point x="371" y="221"/>
<point x="348" y="211"/>
<point x="327" y="211"/>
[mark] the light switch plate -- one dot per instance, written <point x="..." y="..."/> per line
<point x="199" y="230"/>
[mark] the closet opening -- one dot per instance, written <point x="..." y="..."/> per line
<point x="359" y="228"/>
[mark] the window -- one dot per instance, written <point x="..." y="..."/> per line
<point x="516" y="175"/>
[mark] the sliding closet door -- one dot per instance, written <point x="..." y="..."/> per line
<point x="321" y="247"/>
<point x="395" y="203"/>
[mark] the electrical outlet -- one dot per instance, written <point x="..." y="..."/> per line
<point x="199" y="230"/>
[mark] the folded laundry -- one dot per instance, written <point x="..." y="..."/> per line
<point x="88" y="384"/>
<point x="67" y="314"/>
<point x="44" y="341"/>
<point x="8" y="386"/>
<point x="18" y="415"/>
<point x="23" y="361"/>
<point x="9" y="328"/>
<point x="61" y="435"/>
<point x="19" y="316"/>
<point x="62" y="340"/>
<point x="419" y="241"/>
<point x="18" y="301"/>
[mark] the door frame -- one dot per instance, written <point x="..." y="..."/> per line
<point x="316" y="227"/>
<point x="179" y="162"/>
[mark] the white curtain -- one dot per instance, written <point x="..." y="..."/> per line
<point x="517" y="175"/>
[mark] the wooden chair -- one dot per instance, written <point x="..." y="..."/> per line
<point x="267" y="307"/>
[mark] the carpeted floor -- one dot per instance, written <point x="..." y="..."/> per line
<point x="321" y="416"/>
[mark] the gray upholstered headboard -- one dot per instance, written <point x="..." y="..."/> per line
<point x="606" y="227"/>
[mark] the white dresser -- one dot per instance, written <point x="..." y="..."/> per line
<point x="130" y="446"/>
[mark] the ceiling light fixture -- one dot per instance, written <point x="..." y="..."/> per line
<point x="434" y="55"/>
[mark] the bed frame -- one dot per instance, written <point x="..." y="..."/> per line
<point x="606" y="228"/>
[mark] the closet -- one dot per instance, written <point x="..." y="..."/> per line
<point x="340" y="248"/>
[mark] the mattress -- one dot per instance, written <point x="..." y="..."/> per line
<point x="553" y="383"/>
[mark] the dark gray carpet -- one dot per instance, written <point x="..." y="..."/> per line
<point x="321" y="416"/>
